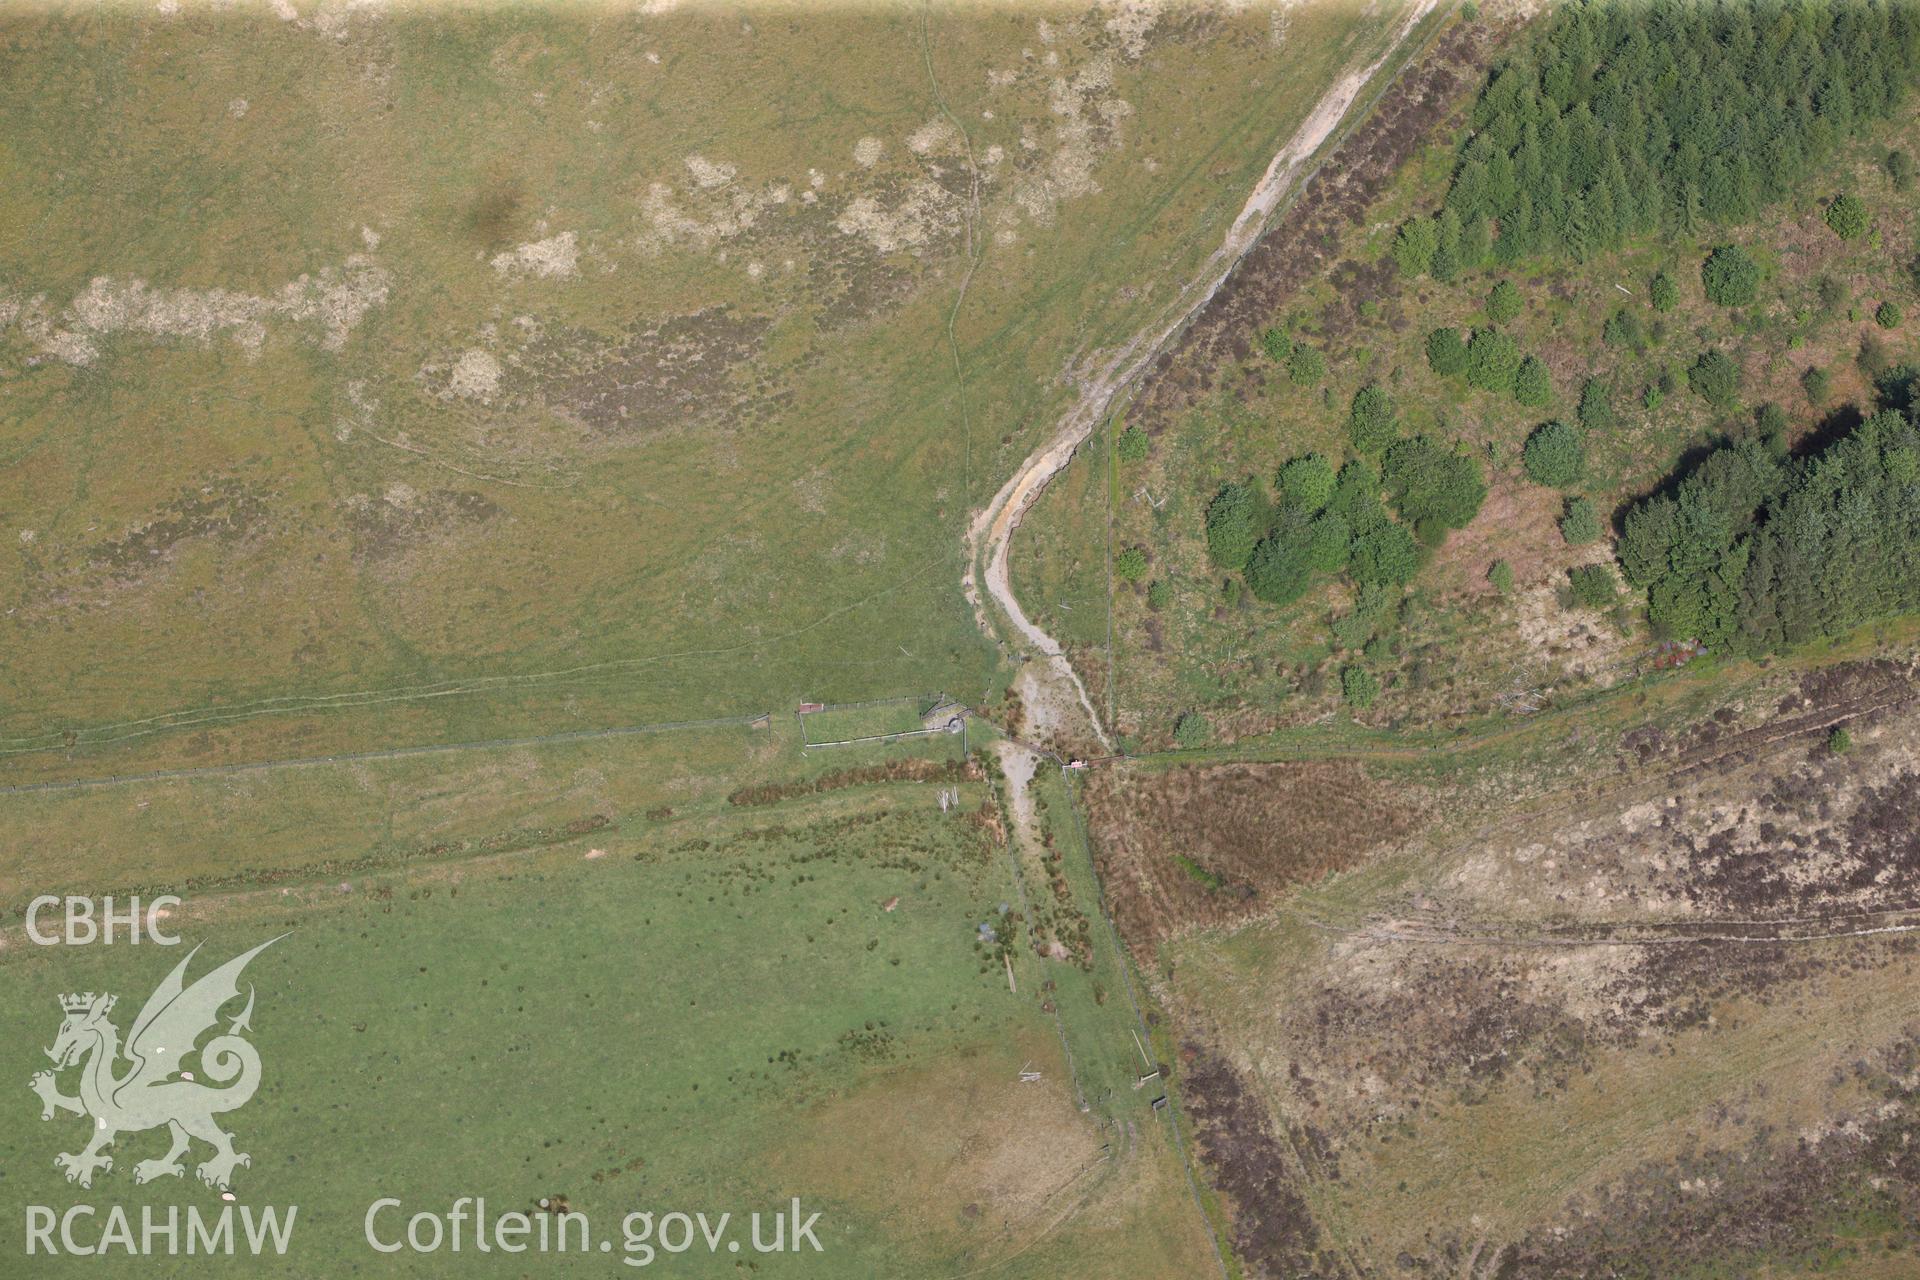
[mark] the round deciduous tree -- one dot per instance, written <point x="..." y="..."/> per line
<point x="1493" y="359"/>
<point x="1554" y="455"/>
<point x="1847" y="216"/>
<point x="1532" y="384"/>
<point x="1664" y="293"/>
<point x="1371" y="422"/>
<point x="1596" y="406"/>
<point x="1433" y="487"/>
<point x="1594" y="586"/>
<point x="1307" y="482"/>
<point x="1899" y="167"/>
<point x="1446" y="353"/>
<point x="1730" y="275"/>
<point x="1385" y="554"/>
<point x="1581" y="523"/>
<point x="1327" y="540"/>
<point x="1413" y="248"/>
<point x="1280" y="569"/>
<point x="1715" y="378"/>
<point x="1622" y="330"/>
<point x="1503" y="304"/>
<point x="1816" y="382"/>
<point x="1305" y="366"/>
<point x="1191" y="730"/>
<point x="1233" y="521"/>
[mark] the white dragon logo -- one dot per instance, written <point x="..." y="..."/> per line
<point x="155" y="1091"/>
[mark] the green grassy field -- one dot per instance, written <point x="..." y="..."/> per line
<point x="868" y="720"/>
<point x="239" y="828"/>
<point x="425" y="376"/>
<point x="627" y="1031"/>
<point x="434" y="439"/>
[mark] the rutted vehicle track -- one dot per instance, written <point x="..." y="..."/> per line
<point x="1647" y="933"/>
<point x="990" y="534"/>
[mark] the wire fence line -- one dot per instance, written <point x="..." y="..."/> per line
<point x="194" y="717"/>
<point x="1145" y="1031"/>
<point x="902" y="736"/>
<point x="922" y="706"/>
<point x="390" y="753"/>
<point x="926" y="701"/>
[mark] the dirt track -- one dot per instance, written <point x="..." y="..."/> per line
<point x="1869" y="924"/>
<point x="991" y="532"/>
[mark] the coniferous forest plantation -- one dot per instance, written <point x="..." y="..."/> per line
<point x="1610" y="141"/>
